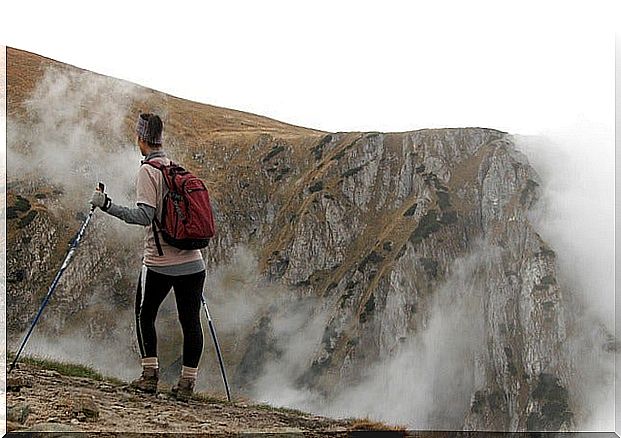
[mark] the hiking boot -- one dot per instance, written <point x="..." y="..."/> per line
<point x="147" y="381"/>
<point x="184" y="389"/>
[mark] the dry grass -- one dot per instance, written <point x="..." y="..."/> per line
<point x="65" y="368"/>
<point x="366" y="424"/>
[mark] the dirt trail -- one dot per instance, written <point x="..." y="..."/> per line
<point x="37" y="396"/>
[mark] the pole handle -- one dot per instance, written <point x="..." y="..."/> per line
<point x="102" y="188"/>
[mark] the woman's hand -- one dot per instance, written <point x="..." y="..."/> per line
<point x="101" y="200"/>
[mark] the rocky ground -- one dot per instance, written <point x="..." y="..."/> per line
<point x="39" y="399"/>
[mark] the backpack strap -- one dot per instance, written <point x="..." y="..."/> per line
<point x="157" y="239"/>
<point x="160" y="167"/>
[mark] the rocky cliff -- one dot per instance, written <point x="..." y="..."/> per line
<point x="378" y="243"/>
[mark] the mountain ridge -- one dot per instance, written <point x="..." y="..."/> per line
<point x="29" y="61"/>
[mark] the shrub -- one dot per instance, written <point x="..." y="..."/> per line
<point x="318" y="150"/>
<point x="351" y="172"/>
<point x="430" y="266"/>
<point x="12" y="213"/>
<point x="427" y="225"/>
<point x="410" y="211"/>
<point x="27" y="219"/>
<point x="275" y="151"/>
<point x="317" y="187"/>
<point x="368" y="309"/>
<point x="443" y="200"/>
<point x="22" y="204"/>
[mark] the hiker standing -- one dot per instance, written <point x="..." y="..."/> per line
<point x="164" y="266"/>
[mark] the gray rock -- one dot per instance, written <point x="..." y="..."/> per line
<point x="16" y="383"/>
<point x="18" y="413"/>
<point x="85" y="406"/>
<point x="11" y="426"/>
<point x="53" y="427"/>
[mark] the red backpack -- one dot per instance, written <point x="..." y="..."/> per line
<point x="187" y="217"/>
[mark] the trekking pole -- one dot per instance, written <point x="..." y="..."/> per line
<point x="215" y="341"/>
<point x="68" y="258"/>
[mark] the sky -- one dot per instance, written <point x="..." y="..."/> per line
<point x="340" y="66"/>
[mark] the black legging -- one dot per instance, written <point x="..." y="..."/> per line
<point x="188" y="291"/>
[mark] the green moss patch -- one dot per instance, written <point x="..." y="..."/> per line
<point x="329" y="334"/>
<point x="16" y="277"/>
<point x="443" y="200"/>
<point x="22" y="204"/>
<point x="448" y="217"/>
<point x="270" y="408"/>
<point x="369" y="307"/>
<point x="275" y="151"/>
<point x="546" y="252"/>
<point x="331" y="286"/>
<point x="317" y="151"/>
<point x="316" y="187"/>
<point x="12" y="213"/>
<point x="351" y="343"/>
<point x="351" y="172"/>
<point x="282" y="173"/>
<point x="545" y="282"/>
<point x="32" y="214"/>
<point x="339" y="155"/>
<point x="478" y="403"/>
<point x="511" y="368"/>
<point x="345" y="299"/>
<point x="342" y="152"/>
<point x="65" y="368"/>
<point x="410" y="211"/>
<point x="554" y="401"/>
<point x="430" y="266"/>
<point x="493" y="401"/>
<point x="527" y="192"/>
<point x="372" y="258"/>
<point x="428" y="224"/>
<point x="548" y="306"/>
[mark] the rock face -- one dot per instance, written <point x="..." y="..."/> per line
<point x="371" y="226"/>
<point x="376" y="228"/>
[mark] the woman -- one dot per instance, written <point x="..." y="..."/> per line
<point x="164" y="267"/>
